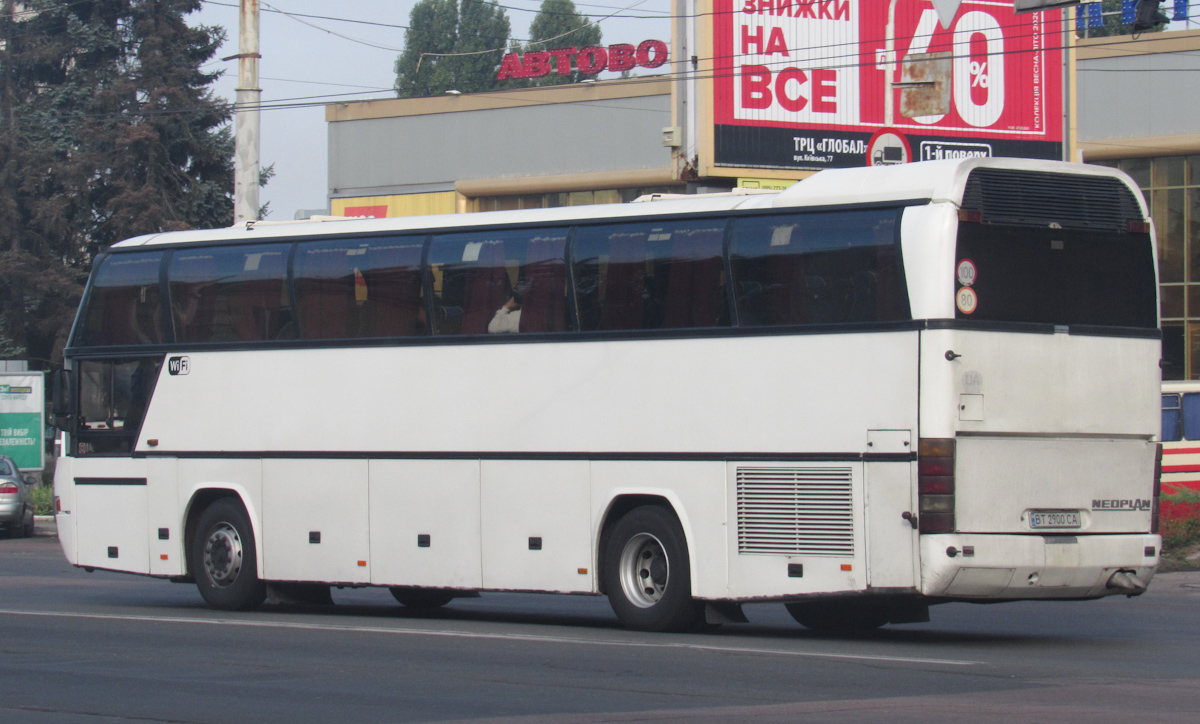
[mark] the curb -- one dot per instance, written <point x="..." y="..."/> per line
<point x="45" y="525"/>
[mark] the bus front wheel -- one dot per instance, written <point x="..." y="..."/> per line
<point x="647" y="573"/>
<point x="224" y="562"/>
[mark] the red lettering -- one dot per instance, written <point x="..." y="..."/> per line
<point x="621" y="57"/>
<point x="824" y="91"/>
<point x="756" y="86"/>
<point x="842" y="11"/>
<point x="748" y="39"/>
<point x="537" y="64"/>
<point x="562" y="59"/>
<point x="781" y="7"/>
<point x="591" y="60"/>
<point x="797" y="104"/>
<point x="750" y="7"/>
<point x="510" y="67"/>
<point x="823" y="10"/>
<point x="804" y="9"/>
<point x="651" y="53"/>
<point x="776" y="43"/>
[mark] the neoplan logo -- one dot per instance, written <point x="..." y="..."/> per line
<point x="1117" y="505"/>
<point x="179" y="365"/>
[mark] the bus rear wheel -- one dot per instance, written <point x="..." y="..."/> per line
<point x="839" y="617"/>
<point x="421" y="599"/>
<point x="223" y="558"/>
<point x="647" y="573"/>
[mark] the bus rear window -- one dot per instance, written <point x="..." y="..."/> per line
<point x="1056" y="276"/>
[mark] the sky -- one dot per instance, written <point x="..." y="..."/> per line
<point x="313" y="60"/>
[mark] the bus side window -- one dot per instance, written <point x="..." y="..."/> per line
<point x="357" y="288"/>
<point x="651" y="275"/>
<point x="123" y="305"/>
<point x="817" y="268"/>
<point x="499" y="281"/>
<point x="1191" y="416"/>
<point x="230" y="294"/>
<point x="1171" y="431"/>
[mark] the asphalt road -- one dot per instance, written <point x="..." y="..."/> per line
<point x="106" y="647"/>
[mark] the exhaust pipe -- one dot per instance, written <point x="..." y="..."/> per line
<point x="1127" y="582"/>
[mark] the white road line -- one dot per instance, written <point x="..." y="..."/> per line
<point x="494" y="636"/>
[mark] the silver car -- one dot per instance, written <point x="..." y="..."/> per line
<point x="16" y="499"/>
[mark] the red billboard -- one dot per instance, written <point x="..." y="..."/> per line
<point x="803" y="84"/>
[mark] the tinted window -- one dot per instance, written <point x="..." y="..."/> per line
<point x="113" y="397"/>
<point x="1191" y="416"/>
<point x="1170" y="418"/>
<point x="651" y="275"/>
<point x="124" y="305"/>
<point x="1059" y="276"/>
<point x="817" y="268"/>
<point x="353" y="288"/>
<point x="230" y="294"/>
<point x="494" y="282"/>
<point x="4" y="468"/>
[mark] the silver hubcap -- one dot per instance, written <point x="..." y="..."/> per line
<point x="644" y="570"/>
<point x="223" y="555"/>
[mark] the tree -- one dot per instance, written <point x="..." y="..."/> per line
<point x="451" y="46"/>
<point x="559" y="25"/>
<point x="108" y="130"/>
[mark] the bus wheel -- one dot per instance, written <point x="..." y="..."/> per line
<point x="421" y="599"/>
<point x="223" y="558"/>
<point x="647" y="572"/>
<point x="843" y="617"/>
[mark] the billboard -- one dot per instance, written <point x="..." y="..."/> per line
<point x="23" y="418"/>
<point x="804" y="84"/>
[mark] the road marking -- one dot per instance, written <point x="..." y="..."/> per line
<point x="493" y="636"/>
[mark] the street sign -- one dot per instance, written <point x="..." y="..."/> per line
<point x="23" y="418"/>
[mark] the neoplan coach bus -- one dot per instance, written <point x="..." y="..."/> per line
<point x="866" y="394"/>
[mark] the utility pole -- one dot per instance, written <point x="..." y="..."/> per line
<point x="246" y="143"/>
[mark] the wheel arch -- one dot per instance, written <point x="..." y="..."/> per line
<point x="622" y="502"/>
<point x="206" y="494"/>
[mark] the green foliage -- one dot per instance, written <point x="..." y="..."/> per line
<point x="43" y="500"/>
<point x="108" y="129"/>
<point x="1112" y="23"/>
<point x="1182" y="495"/>
<point x="449" y="46"/>
<point x="559" y="25"/>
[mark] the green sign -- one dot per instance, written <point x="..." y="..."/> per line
<point x="23" y="419"/>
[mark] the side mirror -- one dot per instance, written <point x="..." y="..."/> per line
<point x="30" y="480"/>
<point x="61" y="398"/>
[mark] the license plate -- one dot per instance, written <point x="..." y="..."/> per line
<point x="1054" y="519"/>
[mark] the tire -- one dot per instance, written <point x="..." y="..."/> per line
<point x="223" y="558"/>
<point x="647" y="572"/>
<point x="421" y="599"/>
<point x="843" y="617"/>
<point x="29" y="529"/>
<point x="17" y="529"/>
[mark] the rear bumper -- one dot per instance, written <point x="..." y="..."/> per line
<point x="1007" y="567"/>
<point x="11" y="511"/>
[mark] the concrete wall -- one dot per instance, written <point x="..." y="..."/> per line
<point x="427" y="144"/>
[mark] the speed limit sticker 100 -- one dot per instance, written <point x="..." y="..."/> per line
<point x="966" y="272"/>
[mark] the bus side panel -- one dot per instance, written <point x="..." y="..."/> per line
<point x="797" y="528"/>
<point x="165" y="533"/>
<point x="111" y="513"/>
<point x="695" y="491"/>
<point x="315" y="522"/>
<point x="892" y="542"/>
<point x="434" y="498"/>
<point x="535" y="525"/>
<point x="241" y="477"/>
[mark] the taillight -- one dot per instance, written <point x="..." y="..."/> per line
<point x="1157" y="488"/>
<point x="971" y="215"/>
<point x="1139" y="227"/>
<point x="9" y="488"/>
<point x="935" y="484"/>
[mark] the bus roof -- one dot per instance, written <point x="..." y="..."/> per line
<point x="928" y="181"/>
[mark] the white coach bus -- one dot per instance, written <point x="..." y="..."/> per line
<point x="869" y="393"/>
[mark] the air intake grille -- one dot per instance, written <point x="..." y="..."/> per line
<point x="795" y="511"/>
<point x="1036" y="198"/>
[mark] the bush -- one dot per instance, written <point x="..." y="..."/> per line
<point x="1179" y="519"/>
<point x="43" y="500"/>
